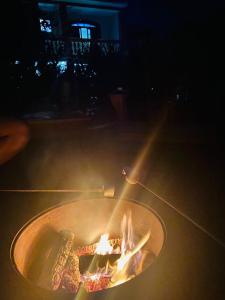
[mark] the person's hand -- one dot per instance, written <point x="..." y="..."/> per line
<point x="14" y="136"/>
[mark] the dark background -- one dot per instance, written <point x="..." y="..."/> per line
<point x="174" y="48"/>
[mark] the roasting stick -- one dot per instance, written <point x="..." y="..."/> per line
<point x="184" y="216"/>
<point x="131" y="180"/>
<point x="106" y="191"/>
<point x="51" y="190"/>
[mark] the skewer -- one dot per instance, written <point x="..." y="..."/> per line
<point x="52" y="190"/>
<point x="134" y="180"/>
<point x="107" y="192"/>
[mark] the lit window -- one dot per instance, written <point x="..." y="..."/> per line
<point x="45" y="25"/>
<point x="85" y="33"/>
<point x="85" y="29"/>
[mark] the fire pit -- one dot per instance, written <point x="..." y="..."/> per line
<point x="95" y="244"/>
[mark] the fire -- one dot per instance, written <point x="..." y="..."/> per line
<point x="125" y="261"/>
<point x="103" y="246"/>
<point x="130" y="262"/>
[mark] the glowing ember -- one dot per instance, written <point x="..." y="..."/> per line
<point x="96" y="282"/>
<point x="103" y="246"/>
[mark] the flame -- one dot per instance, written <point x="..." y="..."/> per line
<point x="103" y="246"/>
<point x="128" y="265"/>
<point x="130" y="262"/>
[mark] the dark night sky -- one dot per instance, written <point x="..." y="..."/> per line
<point x="186" y="38"/>
<point x="164" y="16"/>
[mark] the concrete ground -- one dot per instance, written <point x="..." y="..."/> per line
<point x="185" y="165"/>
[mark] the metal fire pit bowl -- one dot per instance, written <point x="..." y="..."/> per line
<point x="88" y="219"/>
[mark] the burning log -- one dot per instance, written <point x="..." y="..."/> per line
<point x="91" y="249"/>
<point x="66" y="270"/>
<point x="103" y="271"/>
<point x="61" y="260"/>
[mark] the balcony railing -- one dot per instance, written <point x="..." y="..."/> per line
<point x="69" y="47"/>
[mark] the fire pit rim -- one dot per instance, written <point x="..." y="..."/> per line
<point x="17" y="235"/>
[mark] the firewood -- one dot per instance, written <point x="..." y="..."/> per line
<point x="71" y="276"/>
<point x="62" y="257"/>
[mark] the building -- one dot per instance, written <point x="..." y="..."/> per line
<point x="68" y="51"/>
<point x="74" y="28"/>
